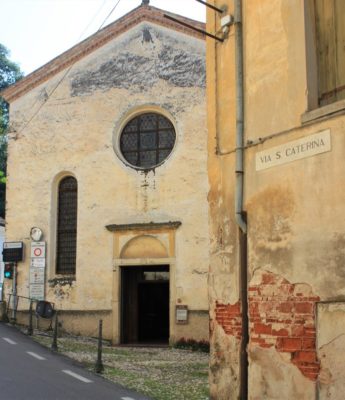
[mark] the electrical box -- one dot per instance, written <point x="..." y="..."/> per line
<point x="13" y="252"/>
<point x="181" y="314"/>
<point x="227" y="20"/>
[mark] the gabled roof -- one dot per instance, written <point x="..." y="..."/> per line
<point x="142" y="13"/>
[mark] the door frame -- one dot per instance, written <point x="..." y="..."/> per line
<point x="117" y="292"/>
<point x="163" y="252"/>
<point x="123" y="299"/>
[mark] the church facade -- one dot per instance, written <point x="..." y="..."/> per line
<point x="108" y="158"/>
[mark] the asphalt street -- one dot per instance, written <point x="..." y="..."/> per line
<point x="29" y="371"/>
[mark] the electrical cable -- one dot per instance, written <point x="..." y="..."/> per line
<point x="109" y="15"/>
<point x="69" y="69"/>
<point x="93" y="18"/>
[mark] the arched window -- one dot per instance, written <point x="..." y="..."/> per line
<point x="147" y="140"/>
<point x="67" y="226"/>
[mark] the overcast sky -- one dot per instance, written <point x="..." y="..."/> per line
<point x="36" y="31"/>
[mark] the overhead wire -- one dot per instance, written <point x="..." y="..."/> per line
<point x="109" y="15"/>
<point x="93" y="18"/>
<point x="71" y="66"/>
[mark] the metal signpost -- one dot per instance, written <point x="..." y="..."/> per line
<point x="37" y="270"/>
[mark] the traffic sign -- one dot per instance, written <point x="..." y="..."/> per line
<point x="37" y="291"/>
<point x="38" y="262"/>
<point x="38" y="249"/>
<point x="37" y="275"/>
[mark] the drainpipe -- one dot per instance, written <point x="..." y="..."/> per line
<point x="239" y="212"/>
<point x="239" y="117"/>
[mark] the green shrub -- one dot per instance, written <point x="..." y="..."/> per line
<point x="192" y="344"/>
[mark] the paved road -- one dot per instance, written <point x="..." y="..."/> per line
<point x="29" y="371"/>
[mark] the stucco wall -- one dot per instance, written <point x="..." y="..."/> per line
<point x="76" y="131"/>
<point x="294" y="212"/>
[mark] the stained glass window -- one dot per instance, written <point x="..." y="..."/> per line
<point x="67" y="226"/>
<point x="147" y="140"/>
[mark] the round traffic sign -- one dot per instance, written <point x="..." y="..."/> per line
<point x="37" y="252"/>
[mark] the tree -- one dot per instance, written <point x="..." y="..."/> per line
<point x="9" y="74"/>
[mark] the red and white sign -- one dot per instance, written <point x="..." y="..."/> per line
<point x="38" y="249"/>
<point x="37" y="270"/>
<point x="38" y="252"/>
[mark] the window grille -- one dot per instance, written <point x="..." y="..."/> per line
<point x="67" y="226"/>
<point x="147" y="140"/>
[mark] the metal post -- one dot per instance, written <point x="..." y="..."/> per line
<point x="99" y="365"/>
<point x="30" y="330"/>
<point x="55" y="334"/>
<point x="14" y="291"/>
<point x="8" y="304"/>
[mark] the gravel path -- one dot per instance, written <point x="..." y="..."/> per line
<point x="161" y="373"/>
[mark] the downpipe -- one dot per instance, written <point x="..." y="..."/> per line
<point x="239" y="117"/>
<point x="240" y="215"/>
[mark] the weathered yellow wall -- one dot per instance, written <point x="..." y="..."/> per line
<point x="275" y="66"/>
<point x="74" y="133"/>
<point x="294" y="210"/>
<point x="223" y="280"/>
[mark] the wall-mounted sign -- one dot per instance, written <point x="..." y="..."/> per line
<point x="38" y="249"/>
<point x="13" y="252"/>
<point x="37" y="291"/>
<point x="295" y="150"/>
<point x="37" y="270"/>
<point x="37" y="275"/>
<point x="38" y="262"/>
<point x="181" y="314"/>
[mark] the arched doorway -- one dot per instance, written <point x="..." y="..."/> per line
<point x="144" y="293"/>
<point x="144" y="282"/>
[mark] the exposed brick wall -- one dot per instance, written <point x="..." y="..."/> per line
<point x="229" y="317"/>
<point x="282" y="315"/>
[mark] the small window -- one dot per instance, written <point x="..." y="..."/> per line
<point x="330" y="33"/>
<point x="147" y="140"/>
<point x="67" y="226"/>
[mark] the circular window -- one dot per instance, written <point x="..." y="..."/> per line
<point x="147" y="140"/>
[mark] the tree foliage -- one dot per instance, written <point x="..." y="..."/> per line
<point x="9" y="74"/>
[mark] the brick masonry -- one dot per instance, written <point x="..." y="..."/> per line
<point x="281" y="315"/>
<point x="230" y="318"/>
